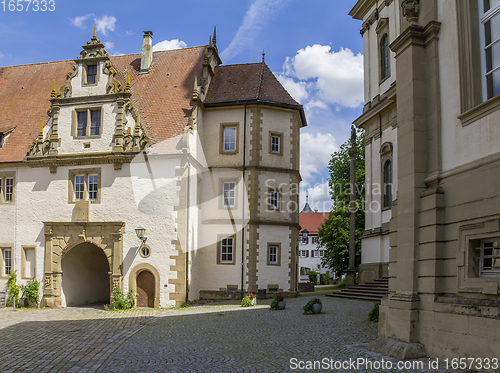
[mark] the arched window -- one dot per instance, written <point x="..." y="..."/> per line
<point x="385" y="68"/>
<point x="387" y="183"/>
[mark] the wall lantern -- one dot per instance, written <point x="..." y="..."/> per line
<point x="141" y="232"/>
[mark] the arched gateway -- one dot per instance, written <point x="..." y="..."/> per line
<point x="64" y="242"/>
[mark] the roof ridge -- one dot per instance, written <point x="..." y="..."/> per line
<point x="261" y="79"/>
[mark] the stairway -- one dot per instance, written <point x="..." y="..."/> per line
<point x="373" y="291"/>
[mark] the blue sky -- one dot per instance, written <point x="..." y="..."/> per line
<point x="314" y="48"/>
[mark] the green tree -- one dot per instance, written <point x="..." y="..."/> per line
<point x="333" y="234"/>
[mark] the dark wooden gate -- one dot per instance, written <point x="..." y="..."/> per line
<point x="146" y="289"/>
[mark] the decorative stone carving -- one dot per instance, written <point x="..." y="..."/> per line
<point x="93" y="49"/>
<point x="66" y="90"/>
<point x="48" y="281"/>
<point x="411" y="10"/>
<point x="113" y="85"/>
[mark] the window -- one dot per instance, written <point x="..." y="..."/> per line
<point x="28" y="262"/>
<point x="385" y="68"/>
<point x="226" y="250"/>
<point x="302" y="253"/>
<point x="7" y="261"/>
<point x="489" y="257"/>
<point x="228" y="194"/>
<point x="273" y="253"/>
<point x="88" y="122"/>
<point x="316" y="253"/>
<point x="321" y="253"/>
<point x="387" y="184"/>
<point x="275" y="140"/>
<point x="91" y="74"/>
<point x="229" y="135"/>
<point x="318" y="266"/>
<point x="6" y="189"/>
<point x="85" y="185"/>
<point x="303" y="240"/>
<point x="489" y="11"/>
<point x="274" y="200"/>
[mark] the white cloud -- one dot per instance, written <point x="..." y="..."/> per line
<point x="256" y="18"/>
<point x="319" y="197"/>
<point x="167" y="45"/>
<point x="105" y="23"/>
<point x="297" y="90"/>
<point x="79" y="20"/>
<point x="332" y="77"/>
<point x="315" y="152"/>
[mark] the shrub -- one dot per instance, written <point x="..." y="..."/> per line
<point x="31" y="291"/>
<point x="184" y="305"/>
<point x="373" y="315"/>
<point x="246" y="301"/>
<point x="313" y="277"/>
<point x="342" y="283"/>
<point x="309" y="305"/>
<point x="121" y="301"/>
<point x="13" y="289"/>
<point x="326" y="278"/>
<point x="274" y="303"/>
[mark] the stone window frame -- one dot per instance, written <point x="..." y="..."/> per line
<point x="85" y="67"/>
<point x="221" y="137"/>
<point x="386" y="154"/>
<point x="219" y="249"/>
<point x="3" y="184"/>
<point x="472" y="105"/>
<point x="279" y="199"/>
<point x="278" y="253"/>
<point x="74" y="122"/>
<point x="221" y="193"/>
<point x="3" y="248"/>
<point x="382" y="30"/>
<point x="280" y="136"/>
<point x="23" y="262"/>
<point x="470" y="235"/>
<point x="142" y="252"/>
<point x="86" y="172"/>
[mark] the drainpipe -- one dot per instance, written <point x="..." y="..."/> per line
<point x="243" y="201"/>
<point x="187" y="217"/>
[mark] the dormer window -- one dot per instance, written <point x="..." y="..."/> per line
<point x="91" y="74"/>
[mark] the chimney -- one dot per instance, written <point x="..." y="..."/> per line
<point x="147" y="51"/>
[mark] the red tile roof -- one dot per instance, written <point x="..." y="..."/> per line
<point x="312" y="220"/>
<point x="163" y="96"/>
<point x="246" y="83"/>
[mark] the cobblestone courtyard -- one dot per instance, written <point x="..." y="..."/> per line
<point x="219" y="337"/>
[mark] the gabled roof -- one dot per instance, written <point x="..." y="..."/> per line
<point x="163" y="96"/>
<point x="248" y="83"/>
<point x="311" y="221"/>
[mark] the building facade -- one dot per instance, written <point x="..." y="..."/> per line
<point x="199" y="154"/>
<point x="432" y="168"/>
<point x="310" y="255"/>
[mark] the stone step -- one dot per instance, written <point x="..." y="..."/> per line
<point x="339" y="294"/>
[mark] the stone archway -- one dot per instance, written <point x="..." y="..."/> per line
<point x="85" y="278"/>
<point x="60" y="238"/>
<point x="135" y="273"/>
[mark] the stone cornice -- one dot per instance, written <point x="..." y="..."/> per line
<point x="117" y="159"/>
<point x="415" y="35"/>
<point x="361" y="8"/>
<point x="387" y="101"/>
<point x="89" y="100"/>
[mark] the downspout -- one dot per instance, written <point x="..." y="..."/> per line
<point x="187" y="215"/>
<point x="243" y="201"/>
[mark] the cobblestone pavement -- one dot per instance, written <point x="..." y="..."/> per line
<point x="216" y="337"/>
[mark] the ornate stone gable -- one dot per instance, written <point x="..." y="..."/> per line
<point x="126" y="140"/>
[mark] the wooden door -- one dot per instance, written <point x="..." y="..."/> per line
<point x="145" y="289"/>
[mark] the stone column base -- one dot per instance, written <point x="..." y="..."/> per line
<point x="350" y="278"/>
<point x="398" y="349"/>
